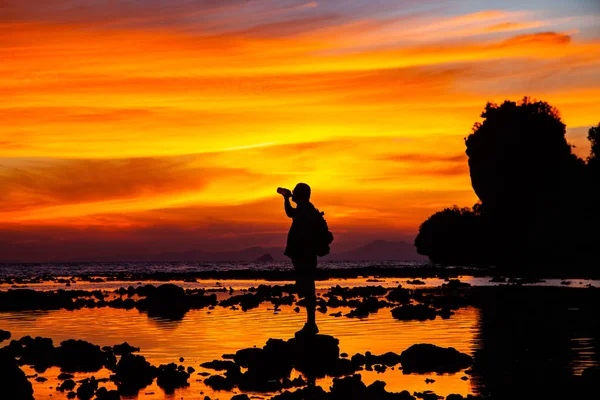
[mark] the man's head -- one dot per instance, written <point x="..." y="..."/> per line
<point x="301" y="193"/>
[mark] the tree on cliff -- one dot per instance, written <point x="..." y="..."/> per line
<point x="455" y="236"/>
<point x="534" y="192"/>
<point x="594" y="158"/>
<point x="526" y="176"/>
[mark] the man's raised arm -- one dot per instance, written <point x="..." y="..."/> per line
<point x="289" y="210"/>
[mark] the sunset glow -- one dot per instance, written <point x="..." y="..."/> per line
<point x="128" y="126"/>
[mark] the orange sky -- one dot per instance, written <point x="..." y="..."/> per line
<point x="133" y="126"/>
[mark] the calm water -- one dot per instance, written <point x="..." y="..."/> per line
<point x="204" y="335"/>
<point x="94" y="268"/>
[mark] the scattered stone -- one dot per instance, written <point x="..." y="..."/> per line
<point x="105" y="394"/>
<point x="124" y="348"/>
<point x="4" y="335"/>
<point x="66" y="386"/>
<point x="133" y="373"/>
<point x="170" y="377"/>
<point x="88" y="387"/>
<point x="13" y="382"/>
<point x="41" y="379"/>
<point x="424" y="358"/>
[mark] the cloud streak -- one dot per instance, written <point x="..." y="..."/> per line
<point x="148" y="118"/>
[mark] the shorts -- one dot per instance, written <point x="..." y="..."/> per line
<point x="305" y="277"/>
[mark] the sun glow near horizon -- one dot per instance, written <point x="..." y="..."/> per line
<point x="144" y="121"/>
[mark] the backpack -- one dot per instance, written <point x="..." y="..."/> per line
<point x="323" y="237"/>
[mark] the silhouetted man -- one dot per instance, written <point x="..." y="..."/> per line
<point x="302" y="250"/>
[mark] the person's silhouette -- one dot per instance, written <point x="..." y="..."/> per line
<point x="301" y="249"/>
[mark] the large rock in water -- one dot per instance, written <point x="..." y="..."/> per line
<point x="4" y="335"/>
<point x="313" y="355"/>
<point x="13" y="382"/>
<point x="424" y="358"/>
<point x="166" y="301"/>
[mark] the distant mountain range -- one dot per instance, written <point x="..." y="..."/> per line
<point x="375" y="251"/>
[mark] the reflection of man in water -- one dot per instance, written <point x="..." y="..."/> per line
<point x="301" y="249"/>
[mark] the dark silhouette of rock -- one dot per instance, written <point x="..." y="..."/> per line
<point x="4" y="335"/>
<point x="240" y="397"/>
<point x="218" y="365"/>
<point x="64" y="376"/>
<point x="133" y="373"/>
<point x="265" y="258"/>
<point x="399" y="295"/>
<point x="124" y="348"/>
<point x="81" y="356"/>
<point x="166" y="301"/>
<point x="170" y="377"/>
<point x="538" y="207"/>
<point x="87" y="388"/>
<point x="455" y="236"/>
<point x="13" y="382"/>
<point x="424" y="358"/>
<point x="389" y="359"/>
<point x="105" y="394"/>
<point x="66" y="386"/>
<point x="218" y="382"/>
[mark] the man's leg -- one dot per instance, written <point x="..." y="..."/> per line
<point x="305" y="285"/>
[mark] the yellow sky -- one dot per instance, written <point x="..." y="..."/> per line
<point x="179" y="117"/>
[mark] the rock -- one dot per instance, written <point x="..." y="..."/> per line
<point x="218" y="365"/>
<point x="71" y="395"/>
<point x="41" y="379"/>
<point x="307" y="393"/>
<point x="415" y="282"/>
<point x="166" y="301"/>
<point x="454" y="397"/>
<point x="498" y="279"/>
<point x="13" y="382"/>
<point x="240" y="397"/>
<point x="105" y="394"/>
<point x="218" y="382"/>
<point x="82" y="356"/>
<point x="171" y="378"/>
<point x="427" y="395"/>
<point x="63" y="376"/>
<point x="4" y="335"/>
<point x="265" y="258"/>
<point x="424" y="358"/>
<point x="455" y="284"/>
<point x="399" y="295"/>
<point x="367" y="306"/>
<point x="409" y="312"/>
<point x="133" y="373"/>
<point x="38" y="352"/>
<point x="66" y="386"/>
<point x="124" y="348"/>
<point x="88" y="387"/>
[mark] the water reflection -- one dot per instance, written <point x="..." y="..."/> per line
<point x="532" y="341"/>
<point x="526" y="342"/>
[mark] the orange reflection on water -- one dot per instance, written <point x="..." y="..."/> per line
<point x="205" y="335"/>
